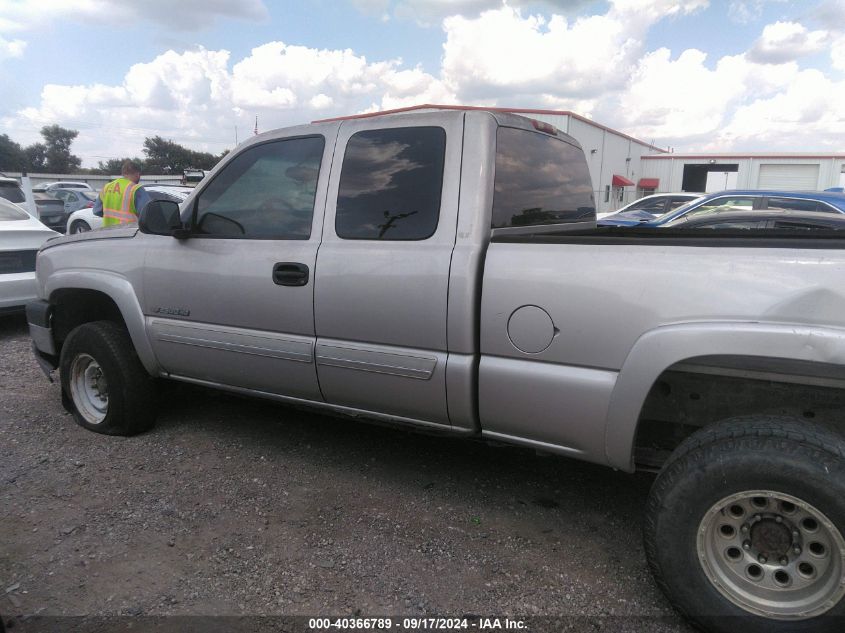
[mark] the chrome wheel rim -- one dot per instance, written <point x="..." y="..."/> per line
<point x="773" y="555"/>
<point x="89" y="389"/>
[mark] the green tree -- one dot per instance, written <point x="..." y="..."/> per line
<point x="58" y="140"/>
<point x="167" y="157"/>
<point x="113" y="166"/>
<point x="12" y="156"/>
<point x="36" y="157"/>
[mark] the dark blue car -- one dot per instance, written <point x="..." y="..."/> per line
<point x="739" y="200"/>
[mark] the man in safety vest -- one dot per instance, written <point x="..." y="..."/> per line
<point x="121" y="199"/>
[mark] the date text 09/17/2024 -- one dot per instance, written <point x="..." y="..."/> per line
<point x="417" y="624"/>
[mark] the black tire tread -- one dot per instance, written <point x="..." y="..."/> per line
<point x="781" y="433"/>
<point x="136" y="399"/>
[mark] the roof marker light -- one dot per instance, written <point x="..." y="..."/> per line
<point x="542" y="126"/>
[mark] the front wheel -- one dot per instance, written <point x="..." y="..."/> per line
<point x="103" y="381"/>
<point x="745" y="524"/>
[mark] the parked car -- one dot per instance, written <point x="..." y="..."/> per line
<point x="75" y="199"/>
<point x="51" y="211"/>
<point x="655" y="205"/>
<point x="10" y="189"/>
<point x="749" y="199"/>
<point x="84" y="219"/>
<point x="21" y="236"/>
<point x="432" y="270"/>
<point x="47" y="187"/>
<point x="782" y="219"/>
<point x="192" y="177"/>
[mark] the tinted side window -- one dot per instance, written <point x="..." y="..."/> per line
<point x="798" y="225"/>
<point x="267" y="191"/>
<point x="11" y="192"/>
<point x="738" y="224"/>
<point x="540" y="179"/>
<point x="390" y="184"/>
<point x="793" y="204"/>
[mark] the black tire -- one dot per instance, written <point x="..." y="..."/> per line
<point x="795" y="457"/>
<point x="131" y="390"/>
<point x="79" y="226"/>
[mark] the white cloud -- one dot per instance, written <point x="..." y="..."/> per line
<point x="503" y="54"/>
<point x="11" y="48"/>
<point x="185" y="15"/>
<point x="500" y="57"/>
<point x="785" y="41"/>
<point x="735" y="104"/>
<point x="746" y="11"/>
<point x="837" y="53"/>
<point x="805" y="115"/>
<point x="197" y="97"/>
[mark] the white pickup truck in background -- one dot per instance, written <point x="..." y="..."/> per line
<point x="443" y="270"/>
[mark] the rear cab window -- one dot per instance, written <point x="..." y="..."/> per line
<point x="539" y="180"/>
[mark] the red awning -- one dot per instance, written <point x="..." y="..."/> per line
<point x="621" y="181"/>
<point x="648" y="183"/>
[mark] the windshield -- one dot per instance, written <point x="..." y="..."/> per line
<point x="9" y="211"/>
<point x="11" y="192"/>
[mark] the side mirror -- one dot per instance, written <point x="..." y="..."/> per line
<point x="161" y="217"/>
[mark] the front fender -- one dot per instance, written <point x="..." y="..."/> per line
<point x="121" y="291"/>
<point x="657" y="350"/>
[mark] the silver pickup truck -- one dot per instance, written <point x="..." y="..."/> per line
<point x="443" y="270"/>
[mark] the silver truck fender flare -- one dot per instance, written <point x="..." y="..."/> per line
<point x="122" y="293"/>
<point x="657" y="350"/>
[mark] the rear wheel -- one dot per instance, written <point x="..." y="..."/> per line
<point x="79" y="226"/>
<point x="103" y="381"/>
<point x="745" y="527"/>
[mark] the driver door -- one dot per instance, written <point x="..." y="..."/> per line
<point x="233" y="304"/>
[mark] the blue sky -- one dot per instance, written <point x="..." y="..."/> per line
<point x="694" y="74"/>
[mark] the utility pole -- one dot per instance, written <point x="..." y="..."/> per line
<point x="236" y="136"/>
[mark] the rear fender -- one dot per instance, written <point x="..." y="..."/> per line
<point x="657" y="350"/>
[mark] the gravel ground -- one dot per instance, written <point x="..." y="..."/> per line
<point x="233" y="506"/>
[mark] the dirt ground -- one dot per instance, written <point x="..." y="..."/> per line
<point x="240" y="507"/>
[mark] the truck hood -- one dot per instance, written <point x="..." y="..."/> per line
<point x="111" y="233"/>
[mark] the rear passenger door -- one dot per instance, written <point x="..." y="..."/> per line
<point x="383" y="266"/>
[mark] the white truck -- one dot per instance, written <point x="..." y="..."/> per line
<point x="443" y="270"/>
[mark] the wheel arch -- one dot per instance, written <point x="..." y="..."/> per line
<point x="79" y="297"/>
<point x="807" y="349"/>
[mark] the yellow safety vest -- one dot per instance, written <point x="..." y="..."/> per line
<point x="119" y="202"/>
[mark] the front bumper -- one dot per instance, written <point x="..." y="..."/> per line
<point x="17" y="290"/>
<point x="40" y="330"/>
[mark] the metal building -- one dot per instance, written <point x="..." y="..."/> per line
<point x="715" y="172"/>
